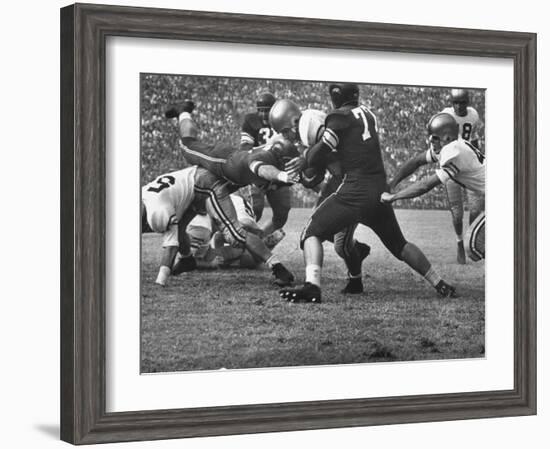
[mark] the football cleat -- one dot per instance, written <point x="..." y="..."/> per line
<point x="183" y="265"/>
<point x="175" y="110"/>
<point x="353" y="287"/>
<point x="307" y="293"/>
<point x="445" y="290"/>
<point x="283" y="277"/>
<point x="460" y="253"/>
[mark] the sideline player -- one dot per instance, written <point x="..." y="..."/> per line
<point x="468" y="121"/>
<point x="226" y="170"/>
<point x="307" y="127"/>
<point x="460" y="163"/>
<point x="351" y="131"/>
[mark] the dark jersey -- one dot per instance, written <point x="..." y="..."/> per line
<point x="254" y="132"/>
<point x="352" y="132"/>
<point x="241" y="168"/>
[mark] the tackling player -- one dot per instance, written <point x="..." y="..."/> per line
<point x="468" y="124"/>
<point x="307" y="127"/>
<point x="351" y="131"/>
<point x="226" y="170"/>
<point x="460" y="163"/>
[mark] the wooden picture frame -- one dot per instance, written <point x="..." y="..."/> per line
<point x="84" y="29"/>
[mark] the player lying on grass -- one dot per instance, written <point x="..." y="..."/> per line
<point x="307" y="128"/>
<point x="460" y="163"/>
<point x="171" y="201"/>
<point x="209" y="248"/>
<point x="351" y="132"/>
<point x="224" y="171"/>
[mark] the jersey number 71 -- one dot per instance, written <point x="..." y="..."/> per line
<point x="360" y="114"/>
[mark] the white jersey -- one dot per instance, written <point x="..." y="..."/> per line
<point x="166" y="199"/>
<point x="462" y="163"/>
<point x="468" y="125"/>
<point x="311" y="126"/>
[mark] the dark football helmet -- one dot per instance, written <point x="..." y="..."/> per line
<point x="443" y="128"/>
<point x="264" y="104"/>
<point x="284" y="151"/>
<point x="344" y="94"/>
<point x="461" y="100"/>
<point x="284" y="116"/>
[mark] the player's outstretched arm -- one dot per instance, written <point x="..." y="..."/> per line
<point x="407" y="169"/>
<point x="417" y="189"/>
<point x="272" y="173"/>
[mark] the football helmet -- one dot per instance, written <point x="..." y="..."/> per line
<point x="264" y="103"/>
<point x="344" y="94"/>
<point x="461" y="99"/>
<point x="442" y="128"/>
<point x="284" y="151"/>
<point x="284" y="116"/>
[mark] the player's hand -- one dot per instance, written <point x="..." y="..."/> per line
<point x="296" y="165"/>
<point x="288" y="178"/>
<point x="387" y="198"/>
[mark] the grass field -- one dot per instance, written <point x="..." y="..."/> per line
<point x="233" y="318"/>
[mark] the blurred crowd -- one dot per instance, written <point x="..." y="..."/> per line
<point x="402" y="113"/>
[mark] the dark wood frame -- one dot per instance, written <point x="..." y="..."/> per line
<point x="84" y="29"/>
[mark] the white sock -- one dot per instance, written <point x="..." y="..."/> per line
<point x="432" y="277"/>
<point x="313" y="274"/>
<point x="459" y="238"/>
<point x="162" y="277"/>
<point x="273" y="260"/>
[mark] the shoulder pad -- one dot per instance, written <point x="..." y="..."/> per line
<point x="337" y="119"/>
<point x="472" y="112"/>
<point x="450" y="151"/>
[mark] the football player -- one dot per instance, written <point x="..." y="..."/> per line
<point x="256" y="131"/>
<point x="226" y="170"/>
<point x="468" y="124"/>
<point x="307" y="127"/>
<point x="166" y="208"/>
<point x="351" y="131"/>
<point x="461" y="163"/>
<point x="210" y="248"/>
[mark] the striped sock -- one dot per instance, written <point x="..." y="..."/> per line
<point x="432" y="277"/>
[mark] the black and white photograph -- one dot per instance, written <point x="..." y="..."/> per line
<point x="296" y="223"/>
